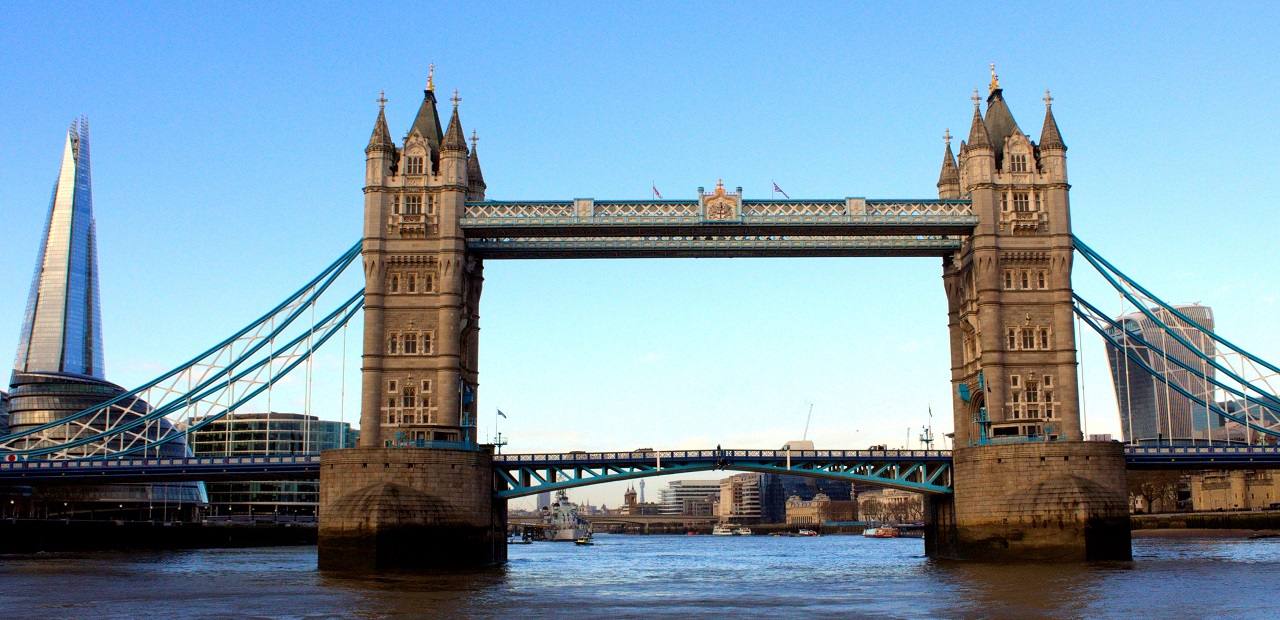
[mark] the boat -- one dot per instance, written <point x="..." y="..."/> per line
<point x="884" y="531"/>
<point x="742" y="531"/>
<point x="721" y="530"/>
<point x="584" y="541"/>
<point x="808" y="533"/>
<point x="561" y="522"/>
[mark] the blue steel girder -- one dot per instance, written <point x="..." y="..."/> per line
<point x="921" y="471"/>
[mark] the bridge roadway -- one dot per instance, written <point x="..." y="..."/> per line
<point x="926" y="471"/>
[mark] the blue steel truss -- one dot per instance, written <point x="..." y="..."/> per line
<point x="921" y="471"/>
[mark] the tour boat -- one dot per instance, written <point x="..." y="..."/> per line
<point x="883" y="531"/>
<point x="721" y="530"/>
<point x="808" y="533"/>
<point x="742" y="531"/>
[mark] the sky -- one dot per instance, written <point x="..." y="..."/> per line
<point x="227" y="147"/>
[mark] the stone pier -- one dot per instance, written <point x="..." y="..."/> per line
<point x="409" y="508"/>
<point x="1034" y="501"/>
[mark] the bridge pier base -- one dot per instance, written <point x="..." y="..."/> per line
<point x="1063" y="501"/>
<point x="398" y="508"/>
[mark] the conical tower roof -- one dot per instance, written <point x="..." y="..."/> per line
<point x="978" y="136"/>
<point x="999" y="121"/>
<point x="427" y="122"/>
<point x="62" y="328"/>
<point x="474" y="176"/>
<point x="950" y="172"/>
<point x="453" y="137"/>
<point x="381" y="138"/>
<point x="1050" y="138"/>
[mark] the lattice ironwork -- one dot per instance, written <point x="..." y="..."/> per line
<point x="216" y="382"/>
<point x="739" y="245"/>
<point x="921" y="471"/>
<point x="519" y="209"/>
<point x="660" y="208"/>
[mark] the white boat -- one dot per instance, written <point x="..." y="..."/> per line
<point x="808" y="533"/>
<point x="561" y="521"/>
<point x="884" y="531"/>
<point x="742" y="531"/>
<point x="721" y="530"/>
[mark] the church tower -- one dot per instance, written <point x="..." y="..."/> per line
<point x="422" y="291"/>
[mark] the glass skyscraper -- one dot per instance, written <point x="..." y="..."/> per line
<point x="58" y="371"/>
<point x="1151" y="411"/>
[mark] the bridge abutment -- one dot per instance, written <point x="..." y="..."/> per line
<point x="1033" y="501"/>
<point x="384" y="508"/>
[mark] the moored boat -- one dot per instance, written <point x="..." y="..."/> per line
<point x="721" y="530"/>
<point x="883" y="531"/>
<point x="561" y="520"/>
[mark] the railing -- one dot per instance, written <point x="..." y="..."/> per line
<point x="675" y="455"/>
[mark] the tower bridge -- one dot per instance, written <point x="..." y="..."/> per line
<point x="421" y="491"/>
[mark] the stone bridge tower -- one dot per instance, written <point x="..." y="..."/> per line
<point x="419" y="490"/>
<point x="1026" y="484"/>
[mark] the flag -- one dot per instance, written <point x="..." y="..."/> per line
<point x="779" y="190"/>
<point x="655" y="191"/>
<point x="501" y="413"/>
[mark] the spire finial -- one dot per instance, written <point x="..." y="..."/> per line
<point x="995" y="80"/>
<point x="976" y="99"/>
<point x="431" y="77"/>
<point x="382" y="100"/>
<point x="474" y="139"/>
<point x="1048" y="101"/>
<point x="455" y="99"/>
<point x="946" y="137"/>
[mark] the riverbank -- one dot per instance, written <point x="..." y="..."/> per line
<point x="1206" y="521"/>
<point x="36" y="535"/>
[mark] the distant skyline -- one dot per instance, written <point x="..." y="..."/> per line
<point x="228" y="165"/>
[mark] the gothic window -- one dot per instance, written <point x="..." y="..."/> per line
<point x="426" y="386"/>
<point x="409" y="398"/>
<point x="391" y="402"/>
<point x="428" y="283"/>
<point x="1038" y="201"/>
<point x="413" y="165"/>
<point x="1044" y="338"/>
<point x="1013" y="338"/>
<point x="1026" y="279"/>
<point x="1004" y="202"/>
<point x="1042" y="280"/>
<point x="411" y="283"/>
<point x="1048" y="380"/>
<point x="391" y="386"/>
<point x="1021" y="202"/>
<point x="394" y="286"/>
<point x="391" y="418"/>
<point x="426" y="343"/>
<point x="431" y="204"/>
<point x="1008" y="279"/>
<point x="1019" y="163"/>
<point x="1014" y="380"/>
<point x="1048" y="410"/>
<point x="391" y="345"/>
<point x="1033" y="392"/>
<point x="1028" y="338"/>
<point x="395" y="204"/>
<point x="413" y="205"/>
<point x="410" y="344"/>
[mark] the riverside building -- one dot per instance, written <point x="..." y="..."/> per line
<point x="690" y="498"/>
<point x="267" y="434"/>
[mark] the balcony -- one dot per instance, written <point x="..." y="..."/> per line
<point x="411" y="224"/>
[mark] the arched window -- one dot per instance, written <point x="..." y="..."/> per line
<point x="410" y="344"/>
<point x="409" y="398"/>
<point x="426" y="343"/>
<point x="394" y="285"/>
<point x="391" y="345"/>
<point x="411" y="283"/>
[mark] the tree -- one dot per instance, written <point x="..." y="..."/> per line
<point x="1158" y="490"/>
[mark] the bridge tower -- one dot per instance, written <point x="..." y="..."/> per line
<point x="1026" y="484"/>
<point x="418" y="491"/>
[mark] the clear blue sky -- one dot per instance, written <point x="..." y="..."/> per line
<point x="228" y="165"/>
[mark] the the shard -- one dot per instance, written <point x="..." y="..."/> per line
<point x="62" y="328"/>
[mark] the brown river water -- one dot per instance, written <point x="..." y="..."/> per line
<point x="658" y="577"/>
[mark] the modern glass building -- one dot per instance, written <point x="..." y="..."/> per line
<point x="59" y="367"/>
<point x="1151" y="411"/>
<point x="688" y="497"/>
<point x="263" y="434"/>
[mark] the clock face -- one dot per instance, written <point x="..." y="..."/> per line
<point x="720" y="211"/>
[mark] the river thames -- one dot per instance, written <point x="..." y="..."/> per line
<point x="657" y="577"/>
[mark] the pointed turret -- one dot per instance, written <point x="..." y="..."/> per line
<point x="1049" y="136"/>
<point x="381" y="141"/>
<point x="453" y="136"/>
<point x="949" y="179"/>
<point x="475" y="178"/>
<point x="427" y="122"/>
<point x="979" y="138"/>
